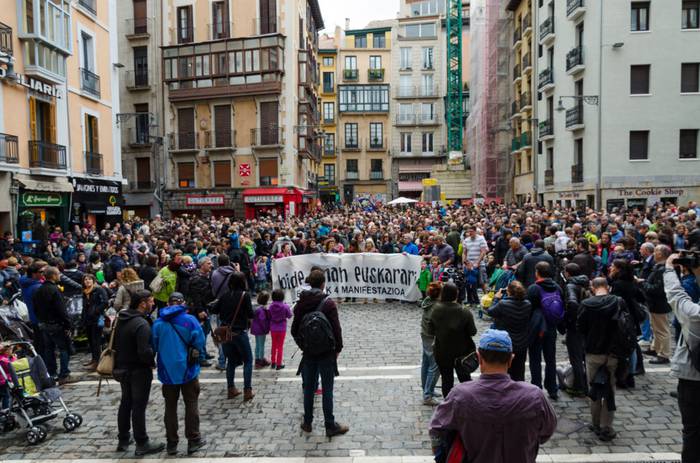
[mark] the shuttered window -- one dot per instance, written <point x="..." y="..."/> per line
<point x="268" y="172"/>
<point x="222" y="173"/>
<point x="185" y="126"/>
<point x="185" y="174"/>
<point x="222" y="123"/>
<point x="639" y="79"/>
<point x="143" y="172"/>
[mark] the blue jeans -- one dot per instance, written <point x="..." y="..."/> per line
<point x="260" y="346"/>
<point x="221" y="360"/>
<point x="429" y="371"/>
<point x="646" y="330"/>
<point x="310" y="370"/>
<point x="56" y="340"/>
<point x="547" y="345"/>
<point x="237" y="353"/>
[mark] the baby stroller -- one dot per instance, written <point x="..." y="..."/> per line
<point x="13" y="321"/>
<point x="35" y="399"/>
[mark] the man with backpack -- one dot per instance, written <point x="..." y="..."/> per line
<point x="179" y="342"/>
<point x="316" y="330"/>
<point x="545" y="296"/>
<point x="576" y="291"/>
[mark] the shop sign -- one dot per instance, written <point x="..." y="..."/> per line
<point x="264" y="199"/>
<point x="34" y="84"/>
<point x="96" y="188"/>
<point x="41" y="200"/>
<point x="429" y="182"/>
<point x="114" y="210"/>
<point x="569" y="195"/>
<point x="205" y="200"/>
<point x="644" y="192"/>
<point x="244" y="170"/>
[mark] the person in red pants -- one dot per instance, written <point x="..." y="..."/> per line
<point x="279" y="314"/>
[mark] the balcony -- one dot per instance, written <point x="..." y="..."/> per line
<point x="515" y="145"/>
<point x="549" y="177"/>
<point x="44" y="155"/>
<point x="576" y="173"/>
<point x="545" y="81"/>
<point x="138" y="137"/>
<point x="574" y="9"/>
<point x="427" y="119"/>
<point x="90" y="82"/>
<point x="574" y="61"/>
<point x="515" y="109"/>
<point x="220" y="30"/>
<point x="417" y="91"/>
<point x="328" y="89"/>
<point x="5" y="39"/>
<point x="351" y="144"/>
<point x="525" y="102"/>
<point x="142" y="185"/>
<point x="517" y="37"/>
<point x="525" y="140"/>
<point x="267" y="137"/>
<point x="547" y="31"/>
<point x="9" y="149"/>
<point x="137" y="80"/>
<point x="376" y="144"/>
<point x="517" y="75"/>
<point x="546" y="129"/>
<point x="329" y="119"/>
<point x="375" y="75"/>
<point x="527" y="63"/>
<point x="376" y="175"/>
<point x="137" y="28"/>
<point x="527" y="24"/>
<point x="89" y="5"/>
<point x="574" y="118"/>
<point x="351" y="74"/>
<point x="350" y="175"/>
<point x="93" y="163"/>
<point x="219" y="139"/>
<point x="405" y="119"/>
<point x="183" y="141"/>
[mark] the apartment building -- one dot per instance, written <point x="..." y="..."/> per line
<point x="59" y="162"/>
<point x="241" y="122"/>
<point x="328" y="180"/>
<point x="363" y="111"/>
<point x="418" y="63"/>
<point x="524" y="39"/>
<point x="141" y="101"/>
<point x="619" y="113"/>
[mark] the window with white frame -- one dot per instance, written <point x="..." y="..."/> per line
<point x="375" y="62"/>
<point x="328" y="111"/>
<point x="427" y="112"/>
<point x="427" y="84"/>
<point x="424" y="8"/>
<point x="427" y="57"/>
<point x="406" y="143"/>
<point x="427" y="143"/>
<point x="376" y="134"/>
<point x="405" y="57"/>
<point x="351" y="62"/>
<point x="406" y="114"/>
<point x="405" y="85"/>
<point x="425" y="30"/>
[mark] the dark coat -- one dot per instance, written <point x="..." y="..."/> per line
<point x="49" y="306"/>
<point x="575" y="292"/>
<point x="309" y="302"/>
<point x="453" y="327"/>
<point x="654" y="291"/>
<point x="132" y="342"/>
<point x="630" y="293"/>
<point x="586" y="262"/>
<point x="94" y="305"/>
<point x="526" y="271"/>
<point x="147" y="274"/>
<point x="596" y="322"/>
<point x="513" y="316"/>
<point x="226" y="309"/>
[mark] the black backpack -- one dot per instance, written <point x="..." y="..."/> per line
<point x="315" y="336"/>
<point x="624" y="339"/>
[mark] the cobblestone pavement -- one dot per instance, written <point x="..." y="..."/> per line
<point x="378" y="395"/>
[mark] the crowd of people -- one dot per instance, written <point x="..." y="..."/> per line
<point x="607" y="281"/>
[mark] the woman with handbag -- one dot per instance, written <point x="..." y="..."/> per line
<point x="453" y="327"/>
<point x="235" y="312"/>
<point x="95" y="302"/>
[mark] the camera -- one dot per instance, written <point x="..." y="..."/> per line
<point x="689" y="259"/>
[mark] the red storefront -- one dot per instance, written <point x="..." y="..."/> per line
<point x="275" y="202"/>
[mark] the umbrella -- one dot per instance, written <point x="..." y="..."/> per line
<point x="401" y="200"/>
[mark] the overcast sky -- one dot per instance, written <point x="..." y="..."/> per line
<point x="360" y="12"/>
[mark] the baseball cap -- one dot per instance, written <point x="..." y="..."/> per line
<point x="176" y="297"/>
<point x="496" y="340"/>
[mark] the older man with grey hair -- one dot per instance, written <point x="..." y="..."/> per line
<point x="659" y="308"/>
<point x="515" y="254"/>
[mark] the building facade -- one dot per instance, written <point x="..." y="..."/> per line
<point x="328" y="180"/>
<point x="619" y="112"/>
<point x="141" y="101"/>
<point x="59" y="161"/>
<point x="363" y="112"/>
<point x="241" y="122"/>
<point x="418" y="62"/>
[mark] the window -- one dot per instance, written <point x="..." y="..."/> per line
<point x="328" y="111"/>
<point x="578" y="152"/>
<point x="329" y="173"/>
<point x="550" y="158"/>
<point x="427" y="85"/>
<point x="640" y="16"/>
<point x="427" y="112"/>
<point x="406" y="143"/>
<point x="351" y="62"/>
<point x="414" y="31"/>
<point x="375" y="62"/>
<point x="405" y="58"/>
<point x="143" y="173"/>
<point x="87" y="49"/>
<point x="351" y="140"/>
<point x="140" y="21"/>
<point x="268" y="172"/>
<point x="361" y="41"/>
<point x="690" y="17"/>
<point x="639" y="145"/>
<point x="376" y="135"/>
<point x="690" y="77"/>
<point x="639" y="79"/>
<point x="222" y="173"/>
<point x="140" y="67"/>
<point x="378" y="40"/>
<point x="328" y="61"/>
<point x="328" y="82"/>
<point x="185" y="30"/>
<point x="329" y="143"/>
<point x="427" y="143"/>
<point x="268" y="16"/>
<point x="689" y="144"/>
<point x="424" y="8"/>
<point x="363" y="98"/>
<point x="185" y="174"/>
<point x="220" y="27"/>
<point x="141" y="134"/>
<point x="427" y="57"/>
<point x="376" y="169"/>
<point x="351" y="165"/>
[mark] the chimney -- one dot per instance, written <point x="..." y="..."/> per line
<point x="347" y="24"/>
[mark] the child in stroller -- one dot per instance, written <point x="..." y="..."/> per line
<point x="33" y="394"/>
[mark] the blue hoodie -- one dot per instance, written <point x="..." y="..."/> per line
<point x="29" y="285"/>
<point x="172" y="352"/>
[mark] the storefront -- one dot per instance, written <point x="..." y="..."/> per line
<point x="275" y="202"/>
<point x="42" y="205"/>
<point x="641" y="198"/>
<point x="96" y="202"/>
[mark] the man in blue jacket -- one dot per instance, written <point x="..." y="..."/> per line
<point x="175" y="333"/>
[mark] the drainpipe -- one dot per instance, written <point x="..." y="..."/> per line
<point x="599" y="180"/>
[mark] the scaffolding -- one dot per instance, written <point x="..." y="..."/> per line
<point x="488" y="125"/>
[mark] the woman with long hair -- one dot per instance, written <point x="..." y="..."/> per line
<point x="128" y="284"/>
<point x="95" y="302"/>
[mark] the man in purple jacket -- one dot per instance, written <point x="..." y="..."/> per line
<point x="498" y="420"/>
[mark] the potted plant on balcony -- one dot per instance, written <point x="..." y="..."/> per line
<point x="375" y="142"/>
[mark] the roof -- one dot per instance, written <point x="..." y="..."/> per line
<point x="380" y="23"/>
<point x="367" y="31"/>
<point x="316" y="12"/>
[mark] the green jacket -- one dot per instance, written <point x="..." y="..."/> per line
<point x="169" y="282"/>
<point x="453" y="327"/>
<point x="424" y="279"/>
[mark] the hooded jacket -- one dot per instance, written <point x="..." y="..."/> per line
<point x="123" y="296"/>
<point x="534" y="296"/>
<point x="171" y="347"/>
<point x="132" y="342"/>
<point x="513" y="315"/>
<point x="309" y="301"/>
<point x="596" y="322"/>
<point x="29" y="285"/>
<point x="576" y="289"/>
<point x="526" y="269"/>
<point x="453" y="327"/>
<point x="219" y="280"/>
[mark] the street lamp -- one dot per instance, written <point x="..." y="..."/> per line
<point x="593" y="100"/>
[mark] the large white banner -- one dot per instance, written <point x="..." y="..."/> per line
<point x="365" y="275"/>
